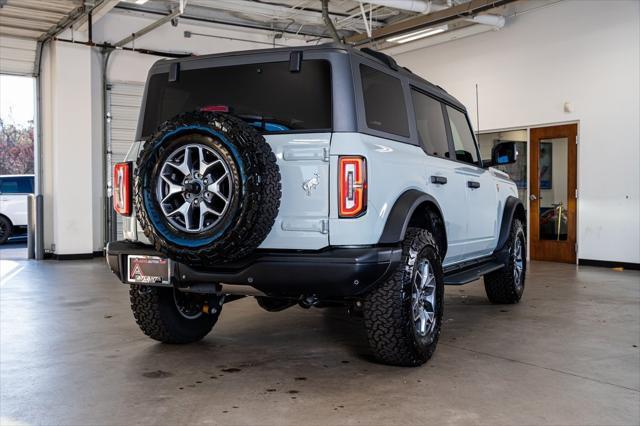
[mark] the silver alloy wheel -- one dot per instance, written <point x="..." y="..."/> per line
<point x="194" y="188"/>
<point x="518" y="262"/>
<point x="423" y="298"/>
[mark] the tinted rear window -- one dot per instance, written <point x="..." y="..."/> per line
<point x="269" y="92"/>
<point x="16" y="185"/>
<point x="384" y="104"/>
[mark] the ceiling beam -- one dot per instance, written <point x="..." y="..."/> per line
<point x="96" y="13"/>
<point x="152" y="26"/>
<point x="422" y="21"/>
<point x="63" y="24"/>
<point x="243" y="14"/>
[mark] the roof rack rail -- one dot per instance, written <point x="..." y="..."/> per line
<point x="391" y="63"/>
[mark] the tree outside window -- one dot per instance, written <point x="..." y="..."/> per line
<point x="16" y="125"/>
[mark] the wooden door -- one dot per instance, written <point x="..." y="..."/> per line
<point x="553" y="184"/>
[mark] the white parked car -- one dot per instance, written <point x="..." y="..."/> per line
<point x="14" y="190"/>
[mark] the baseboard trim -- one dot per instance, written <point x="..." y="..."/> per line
<point x="75" y="256"/>
<point x="609" y="264"/>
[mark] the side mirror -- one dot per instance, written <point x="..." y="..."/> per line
<point x="504" y="153"/>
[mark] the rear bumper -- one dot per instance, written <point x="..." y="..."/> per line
<point x="334" y="272"/>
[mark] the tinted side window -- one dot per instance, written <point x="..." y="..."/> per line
<point x="430" y="123"/>
<point x="384" y="105"/>
<point x="16" y="185"/>
<point x="9" y="186"/>
<point x="463" y="141"/>
<point x="25" y="185"/>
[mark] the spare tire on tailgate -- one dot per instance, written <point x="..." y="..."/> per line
<point x="207" y="188"/>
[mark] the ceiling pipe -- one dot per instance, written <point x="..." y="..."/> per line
<point x="419" y="6"/>
<point x="435" y="18"/>
<point x="496" y="21"/>
<point x="329" y="23"/>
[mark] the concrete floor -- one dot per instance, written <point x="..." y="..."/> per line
<point x="72" y="354"/>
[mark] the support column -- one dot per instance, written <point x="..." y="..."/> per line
<point x="72" y="160"/>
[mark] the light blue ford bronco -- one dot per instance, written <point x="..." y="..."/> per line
<point x="313" y="176"/>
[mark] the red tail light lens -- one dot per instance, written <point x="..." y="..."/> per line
<point x="122" y="188"/>
<point x="353" y="186"/>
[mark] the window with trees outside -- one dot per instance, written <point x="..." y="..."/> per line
<point x="16" y="125"/>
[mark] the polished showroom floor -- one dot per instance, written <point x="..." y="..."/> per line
<point x="72" y="354"/>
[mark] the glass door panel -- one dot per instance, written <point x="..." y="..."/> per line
<point x="553" y="181"/>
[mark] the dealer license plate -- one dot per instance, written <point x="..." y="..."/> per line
<point x="148" y="269"/>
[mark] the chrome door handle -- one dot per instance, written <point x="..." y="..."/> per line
<point x="532" y="197"/>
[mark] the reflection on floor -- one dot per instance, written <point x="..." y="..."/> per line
<point x="14" y="249"/>
<point x="72" y="354"/>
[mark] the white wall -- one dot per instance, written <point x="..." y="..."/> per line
<point x="70" y="174"/>
<point x="583" y="52"/>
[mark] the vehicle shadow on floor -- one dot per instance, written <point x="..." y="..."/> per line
<point x="317" y="337"/>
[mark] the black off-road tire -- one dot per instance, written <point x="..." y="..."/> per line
<point x="501" y="285"/>
<point x="157" y="315"/>
<point x="253" y="209"/>
<point x="387" y="309"/>
<point x="5" y="229"/>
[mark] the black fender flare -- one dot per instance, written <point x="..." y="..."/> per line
<point x="511" y="206"/>
<point x="400" y="215"/>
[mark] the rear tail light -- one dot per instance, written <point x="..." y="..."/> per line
<point x="122" y="188"/>
<point x="353" y="186"/>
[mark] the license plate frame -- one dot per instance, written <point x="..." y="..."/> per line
<point x="151" y="270"/>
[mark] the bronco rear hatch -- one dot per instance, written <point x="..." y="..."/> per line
<point x="292" y="108"/>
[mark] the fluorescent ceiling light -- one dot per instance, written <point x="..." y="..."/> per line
<point x="141" y="1"/>
<point x="404" y="38"/>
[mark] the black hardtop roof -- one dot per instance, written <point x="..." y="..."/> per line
<point x="375" y="56"/>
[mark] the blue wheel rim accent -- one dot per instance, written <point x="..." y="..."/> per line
<point x="154" y="216"/>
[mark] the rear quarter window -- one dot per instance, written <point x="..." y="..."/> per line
<point x="431" y="125"/>
<point x="384" y="105"/>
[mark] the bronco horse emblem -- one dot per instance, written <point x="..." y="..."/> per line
<point x="311" y="184"/>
